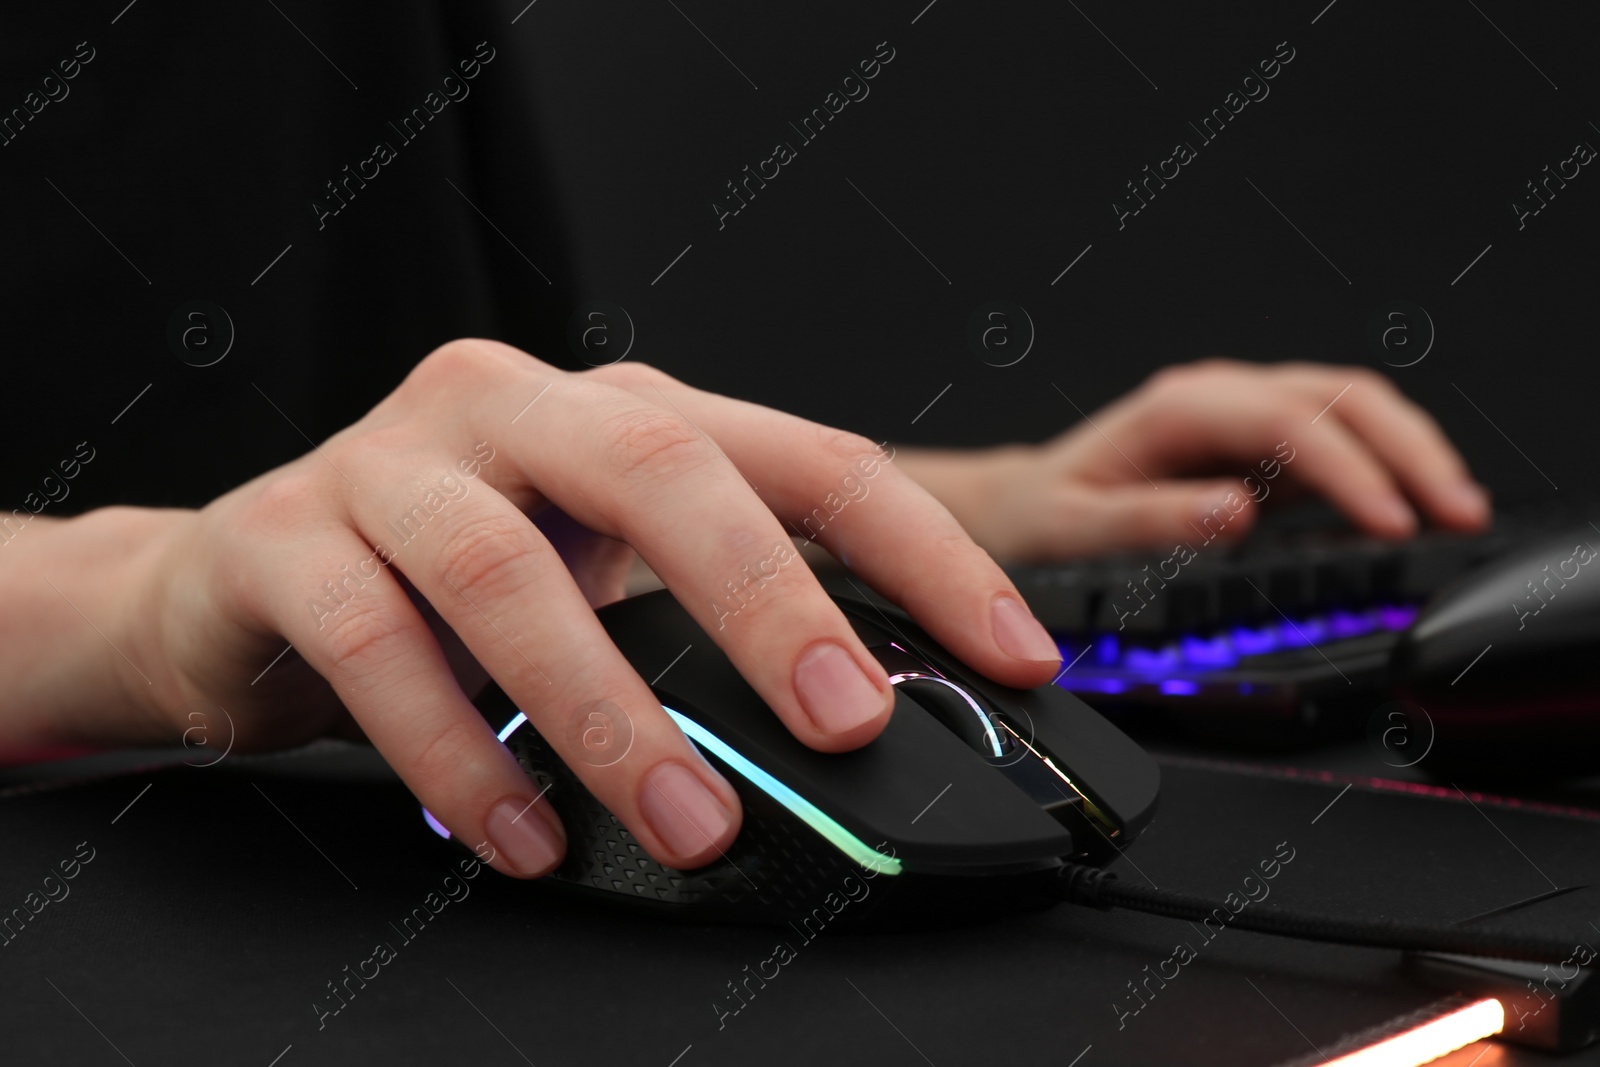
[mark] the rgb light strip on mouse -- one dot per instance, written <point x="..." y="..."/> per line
<point x="813" y="816"/>
<point x="809" y="813"/>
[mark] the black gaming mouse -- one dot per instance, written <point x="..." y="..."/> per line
<point x="966" y="806"/>
<point x="1501" y="670"/>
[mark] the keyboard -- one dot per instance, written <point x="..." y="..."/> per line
<point x="1284" y="636"/>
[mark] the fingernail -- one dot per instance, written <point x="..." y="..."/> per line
<point x="1019" y="634"/>
<point x="524" y="837"/>
<point x="684" y="814"/>
<point x="834" y="691"/>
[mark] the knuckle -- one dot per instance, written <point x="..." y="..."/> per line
<point x="1171" y="372"/>
<point x="632" y="375"/>
<point x="1185" y="373"/>
<point x="441" y="756"/>
<point x="365" y="635"/>
<point x="653" y="443"/>
<point x="280" y="501"/>
<point x="463" y="355"/>
<point x="953" y="545"/>
<point x="1173" y="379"/>
<point x="473" y="362"/>
<point x="372" y="440"/>
<point x="488" y="558"/>
<point x="1370" y="379"/>
<point x="844" y="445"/>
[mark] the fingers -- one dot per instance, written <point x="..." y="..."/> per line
<point x="507" y="593"/>
<point x="711" y="540"/>
<point x="1336" y="463"/>
<point x="1357" y="441"/>
<point x="1213" y="417"/>
<point x="362" y="634"/>
<point x="639" y="472"/>
<point x="1408" y="442"/>
<point x="844" y="492"/>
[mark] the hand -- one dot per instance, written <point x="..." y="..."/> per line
<point x="1221" y="426"/>
<point x="400" y="554"/>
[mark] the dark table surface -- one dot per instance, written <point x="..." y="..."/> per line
<point x="221" y="901"/>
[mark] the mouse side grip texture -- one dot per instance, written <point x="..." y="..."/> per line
<point x="778" y="868"/>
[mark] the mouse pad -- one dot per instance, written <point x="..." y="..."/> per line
<point x="293" y="910"/>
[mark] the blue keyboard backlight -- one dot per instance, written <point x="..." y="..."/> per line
<point x="1178" y="667"/>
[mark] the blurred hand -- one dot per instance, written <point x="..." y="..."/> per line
<point x="1138" y="473"/>
<point x="404" y="544"/>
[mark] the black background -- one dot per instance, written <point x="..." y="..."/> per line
<point x="595" y="143"/>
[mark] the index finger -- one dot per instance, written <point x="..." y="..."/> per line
<point x="842" y="491"/>
<point x="642" y="473"/>
<point x="1408" y="442"/>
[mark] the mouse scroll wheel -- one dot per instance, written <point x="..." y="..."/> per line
<point x="957" y="709"/>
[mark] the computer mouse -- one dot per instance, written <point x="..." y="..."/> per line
<point x="965" y="807"/>
<point x="1500" y="668"/>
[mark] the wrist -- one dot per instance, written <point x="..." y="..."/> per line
<point x="76" y="662"/>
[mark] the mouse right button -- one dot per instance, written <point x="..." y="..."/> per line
<point x="1113" y="772"/>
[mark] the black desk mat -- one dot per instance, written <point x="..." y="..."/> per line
<point x="220" y="903"/>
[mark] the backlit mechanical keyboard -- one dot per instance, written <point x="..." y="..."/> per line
<point x="1284" y="635"/>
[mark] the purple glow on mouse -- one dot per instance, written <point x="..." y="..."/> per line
<point x="438" y="827"/>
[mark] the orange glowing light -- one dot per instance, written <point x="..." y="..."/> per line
<point x="1480" y="1019"/>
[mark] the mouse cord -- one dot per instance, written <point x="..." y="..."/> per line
<point x="1096" y="888"/>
